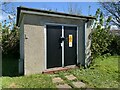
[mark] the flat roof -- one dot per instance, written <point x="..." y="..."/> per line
<point x="48" y="12"/>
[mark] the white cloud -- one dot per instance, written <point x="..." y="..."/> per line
<point x="114" y="27"/>
<point x="2" y="17"/>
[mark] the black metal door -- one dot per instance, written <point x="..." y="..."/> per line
<point x="70" y="50"/>
<point x="54" y="49"/>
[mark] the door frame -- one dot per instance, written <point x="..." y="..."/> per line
<point x="45" y="41"/>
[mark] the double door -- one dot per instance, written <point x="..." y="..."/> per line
<point x="61" y="45"/>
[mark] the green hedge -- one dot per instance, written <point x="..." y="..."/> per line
<point x="114" y="47"/>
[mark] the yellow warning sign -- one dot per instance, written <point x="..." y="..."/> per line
<point x="70" y="40"/>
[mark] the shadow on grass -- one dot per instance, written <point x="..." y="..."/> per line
<point x="10" y="65"/>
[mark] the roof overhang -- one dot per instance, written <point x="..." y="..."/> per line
<point x="24" y="10"/>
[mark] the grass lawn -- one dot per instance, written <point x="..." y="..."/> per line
<point x="32" y="81"/>
<point x="103" y="74"/>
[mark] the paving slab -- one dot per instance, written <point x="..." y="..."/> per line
<point x="57" y="80"/>
<point x="63" y="86"/>
<point x="70" y="77"/>
<point x="13" y="85"/>
<point x="79" y="84"/>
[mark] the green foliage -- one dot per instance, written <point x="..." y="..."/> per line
<point x="10" y="65"/>
<point x="101" y="38"/>
<point x="100" y="41"/>
<point x="114" y="47"/>
<point x="10" y="34"/>
<point x="0" y="36"/>
<point x="10" y="39"/>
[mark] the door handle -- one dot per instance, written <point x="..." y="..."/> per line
<point x="62" y="39"/>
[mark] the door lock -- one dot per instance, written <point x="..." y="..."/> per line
<point x="62" y="39"/>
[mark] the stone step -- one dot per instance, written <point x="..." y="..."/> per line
<point x="79" y="84"/>
<point x="57" y="80"/>
<point x="70" y="77"/>
<point x="53" y="70"/>
<point x="63" y="86"/>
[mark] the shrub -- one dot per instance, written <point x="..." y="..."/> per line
<point x="10" y="40"/>
<point x="101" y="37"/>
<point x="114" y="47"/>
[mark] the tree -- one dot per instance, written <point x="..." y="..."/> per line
<point x="101" y="38"/>
<point x="10" y="40"/>
<point x="112" y="9"/>
<point x="10" y="34"/>
<point x="74" y="9"/>
<point x="6" y="8"/>
<point x="0" y="36"/>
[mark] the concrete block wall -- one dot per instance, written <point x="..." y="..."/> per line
<point x="34" y="40"/>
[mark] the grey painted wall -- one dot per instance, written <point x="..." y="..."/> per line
<point x="21" y="61"/>
<point x="34" y="45"/>
<point x="34" y="49"/>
